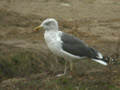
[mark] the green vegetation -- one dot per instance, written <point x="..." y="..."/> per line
<point x="31" y="70"/>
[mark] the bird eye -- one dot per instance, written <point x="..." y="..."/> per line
<point x="48" y="23"/>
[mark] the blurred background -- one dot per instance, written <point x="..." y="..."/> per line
<point x="27" y="64"/>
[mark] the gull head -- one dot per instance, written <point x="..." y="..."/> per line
<point x="48" y="24"/>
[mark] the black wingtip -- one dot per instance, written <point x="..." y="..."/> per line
<point x="109" y="59"/>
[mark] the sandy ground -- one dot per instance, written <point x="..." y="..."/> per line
<point x="97" y="22"/>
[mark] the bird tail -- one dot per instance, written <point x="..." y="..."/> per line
<point x="104" y="60"/>
<point x="100" y="58"/>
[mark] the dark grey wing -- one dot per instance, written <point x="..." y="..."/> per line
<point x="77" y="47"/>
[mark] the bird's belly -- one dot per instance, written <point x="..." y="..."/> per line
<point x="55" y="48"/>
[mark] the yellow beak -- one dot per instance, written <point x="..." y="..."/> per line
<point x="38" y="28"/>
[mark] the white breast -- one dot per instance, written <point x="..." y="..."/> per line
<point x="53" y="41"/>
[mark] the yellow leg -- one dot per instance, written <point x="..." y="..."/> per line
<point x="65" y="67"/>
<point x="71" y="68"/>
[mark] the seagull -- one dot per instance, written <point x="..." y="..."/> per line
<point x="67" y="46"/>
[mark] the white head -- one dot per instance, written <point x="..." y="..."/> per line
<point x="48" y="24"/>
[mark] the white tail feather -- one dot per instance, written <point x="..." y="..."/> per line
<point x="100" y="61"/>
<point x="100" y="56"/>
